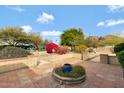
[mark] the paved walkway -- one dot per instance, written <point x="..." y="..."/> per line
<point x="98" y="76"/>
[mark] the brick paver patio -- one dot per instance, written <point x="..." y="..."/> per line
<point x="98" y="76"/>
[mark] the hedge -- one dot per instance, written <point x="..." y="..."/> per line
<point x="120" y="56"/>
<point x="13" y="52"/>
<point x="119" y="47"/>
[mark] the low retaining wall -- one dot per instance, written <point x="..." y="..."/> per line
<point x="31" y="61"/>
<point x="17" y="63"/>
<point x="56" y="57"/>
<point x="61" y="57"/>
<point x="109" y="59"/>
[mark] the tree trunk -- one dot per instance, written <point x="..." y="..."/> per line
<point x="36" y="46"/>
<point x="9" y="42"/>
<point x="16" y="43"/>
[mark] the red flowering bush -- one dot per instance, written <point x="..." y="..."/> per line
<point x="50" y="47"/>
<point x="54" y="48"/>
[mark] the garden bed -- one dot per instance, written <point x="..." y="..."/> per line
<point x="17" y="63"/>
<point x="77" y="75"/>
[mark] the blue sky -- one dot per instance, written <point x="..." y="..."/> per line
<point x="51" y="21"/>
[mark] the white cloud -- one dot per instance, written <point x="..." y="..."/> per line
<point x="51" y="33"/>
<point x="26" y="28"/>
<point x="45" y="18"/>
<point x="119" y="33"/>
<point x="111" y="22"/>
<point x="16" y="8"/>
<point x="116" y="8"/>
<point x="100" y="24"/>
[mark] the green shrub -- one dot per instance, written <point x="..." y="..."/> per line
<point x="13" y="52"/>
<point x="80" y="48"/>
<point x="90" y="49"/>
<point x="3" y="46"/>
<point x="119" y="47"/>
<point x="77" y="71"/>
<point x="120" y="56"/>
<point x="66" y="48"/>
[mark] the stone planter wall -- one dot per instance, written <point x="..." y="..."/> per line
<point x="113" y="59"/>
<point x="104" y="58"/>
<point x="67" y="80"/>
<point x="109" y="59"/>
<point x="17" y="63"/>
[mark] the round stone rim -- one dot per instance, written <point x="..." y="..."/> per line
<point x="68" y="80"/>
